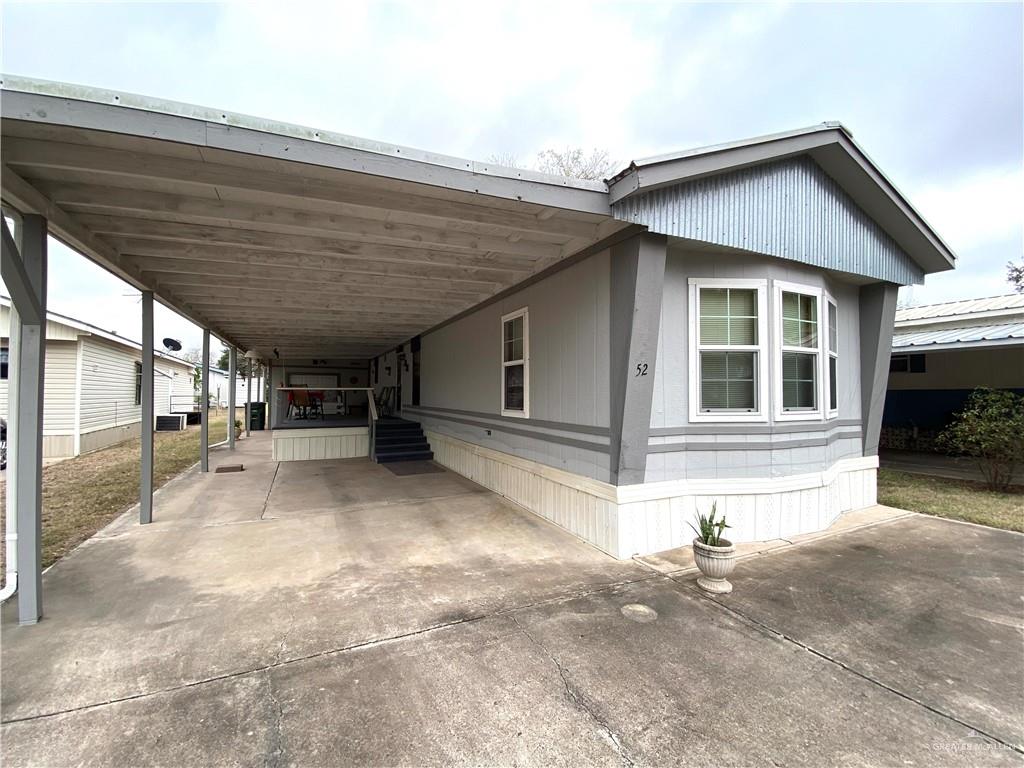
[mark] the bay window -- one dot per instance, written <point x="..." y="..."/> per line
<point x="798" y="313"/>
<point x="727" y="360"/>
<point x="515" y="364"/>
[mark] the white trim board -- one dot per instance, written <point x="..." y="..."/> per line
<point x="327" y="443"/>
<point x="651" y="517"/>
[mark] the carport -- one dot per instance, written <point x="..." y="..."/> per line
<point x="282" y="241"/>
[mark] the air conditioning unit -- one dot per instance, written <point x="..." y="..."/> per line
<point x="174" y="422"/>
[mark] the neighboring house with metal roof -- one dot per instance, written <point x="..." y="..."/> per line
<point x="92" y="385"/>
<point x="712" y="326"/>
<point x="943" y="352"/>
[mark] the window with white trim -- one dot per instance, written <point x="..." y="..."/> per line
<point x="799" y="320"/>
<point x="833" y="357"/>
<point x="727" y="339"/>
<point x="515" y="364"/>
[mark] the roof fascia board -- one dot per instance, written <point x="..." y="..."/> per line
<point x="730" y="158"/>
<point x="833" y="164"/>
<point x="95" y="109"/>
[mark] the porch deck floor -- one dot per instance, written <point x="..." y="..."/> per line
<point x="331" y="613"/>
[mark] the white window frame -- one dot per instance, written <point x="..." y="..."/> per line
<point x="762" y="389"/>
<point x="523" y="312"/>
<point x="830" y="354"/>
<point x="778" y="288"/>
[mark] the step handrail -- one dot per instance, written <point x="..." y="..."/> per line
<point x="372" y="423"/>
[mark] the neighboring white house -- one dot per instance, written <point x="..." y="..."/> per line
<point x="943" y="352"/>
<point x="91" y="389"/>
<point x="219" y="388"/>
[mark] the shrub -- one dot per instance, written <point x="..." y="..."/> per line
<point x="991" y="429"/>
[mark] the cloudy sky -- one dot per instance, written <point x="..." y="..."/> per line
<point x="932" y="92"/>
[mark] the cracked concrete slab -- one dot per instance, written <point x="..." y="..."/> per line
<point x="452" y="627"/>
<point x="155" y="606"/>
<point x="700" y="686"/>
<point x="928" y="606"/>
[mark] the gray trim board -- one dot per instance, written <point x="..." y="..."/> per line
<point x="543" y="436"/>
<point x="877" y="320"/>
<point x="430" y="410"/>
<point x="809" y="442"/>
<point x="637" y="285"/>
<point x="753" y="429"/>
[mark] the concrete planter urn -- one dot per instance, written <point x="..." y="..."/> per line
<point x="715" y="562"/>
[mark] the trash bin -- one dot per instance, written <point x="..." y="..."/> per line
<point x="257" y="416"/>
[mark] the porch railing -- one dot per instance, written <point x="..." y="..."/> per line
<point x="372" y="423"/>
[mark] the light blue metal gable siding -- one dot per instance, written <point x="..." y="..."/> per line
<point x="790" y="209"/>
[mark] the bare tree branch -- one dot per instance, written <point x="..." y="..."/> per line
<point x="576" y="163"/>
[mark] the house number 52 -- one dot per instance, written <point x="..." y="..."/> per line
<point x="641" y="369"/>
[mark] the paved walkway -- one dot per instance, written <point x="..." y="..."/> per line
<point x="331" y="613"/>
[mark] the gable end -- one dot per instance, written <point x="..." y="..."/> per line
<point x="790" y="209"/>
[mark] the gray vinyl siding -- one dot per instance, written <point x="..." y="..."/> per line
<point x="568" y="424"/>
<point x="762" y="449"/>
<point x="789" y="208"/>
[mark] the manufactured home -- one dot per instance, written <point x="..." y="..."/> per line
<point x="943" y="352"/>
<point x="709" y="327"/>
<point x="92" y="392"/>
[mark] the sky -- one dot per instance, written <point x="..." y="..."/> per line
<point x="932" y="92"/>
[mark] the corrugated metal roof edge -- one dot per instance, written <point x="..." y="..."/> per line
<point x="919" y="307"/>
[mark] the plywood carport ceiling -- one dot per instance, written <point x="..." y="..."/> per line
<point x="276" y="240"/>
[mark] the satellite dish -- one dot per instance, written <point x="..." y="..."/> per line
<point x="172" y="345"/>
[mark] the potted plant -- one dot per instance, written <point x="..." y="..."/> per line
<point x="715" y="556"/>
<point x="238" y="428"/>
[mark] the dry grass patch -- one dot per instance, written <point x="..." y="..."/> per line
<point x="83" y="494"/>
<point x="955" y="499"/>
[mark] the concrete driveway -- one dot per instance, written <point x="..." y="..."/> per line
<point x="331" y="613"/>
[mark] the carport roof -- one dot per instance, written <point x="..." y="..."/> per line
<point x="278" y="236"/>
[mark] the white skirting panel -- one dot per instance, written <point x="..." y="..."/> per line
<point x="328" y="443"/>
<point x="652" y="517"/>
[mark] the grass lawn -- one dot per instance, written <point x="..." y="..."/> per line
<point x="83" y="494"/>
<point x="956" y="499"/>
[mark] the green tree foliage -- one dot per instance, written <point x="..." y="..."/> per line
<point x="242" y="364"/>
<point x="991" y="429"/>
